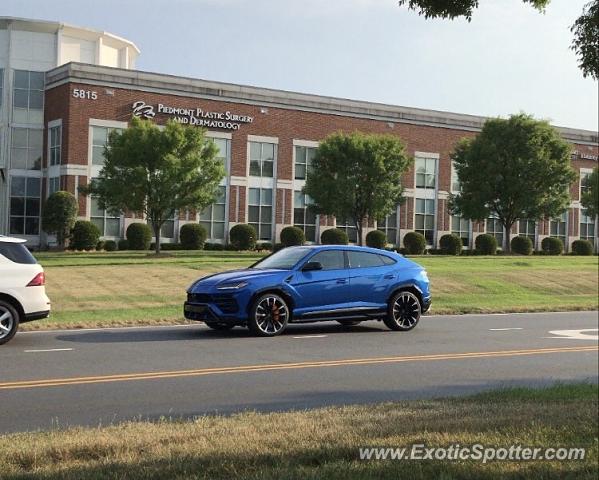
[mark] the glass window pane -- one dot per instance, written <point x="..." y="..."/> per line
<point x="429" y="222"/>
<point x="300" y="171"/>
<point x="17" y="186"/>
<point x="33" y="187"/>
<point x="255" y="151"/>
<point x="254" y="196"/>
<point x="420" y="222"/>
<point x="311" y="153"/>
<point x="364" y="260"/>
<point x="32" y="226"/>
<point x="36" y="80"/>
<point x="99" y="222"/>
<point x="17" y="225"/>
<point x="207" y="226"/>
<point x="330" y="259"/>
<point x="265" y="231"/>
<point x="419" y="205"/>
<point x="221" y="196"/>
<point x="21" y="99"/>
<point x="430" y="206"/>
<point x="298" y="216"/>
<point x="18" y="158"/>
<point x="36" y="99"/>
<point x="98" y="155"/>
<point x="268" y="151"/>
<point x="99" y="136"/>
<point x="267" y="169"/>
<point x="266" y="214"/>
<point x="17" y="206"/>
<point x="19" y="138"/>
<point x="32" y="207"/>
<point x="219" y="230"/>
<point x="36" y="139"/>
<point x="206" y="214"/>
<point x="112" y="227"/>
<point x="254" y="214"/>
<point x="310" y="233"/>
<point x="266" y="196"/>
<point x="255" y="168"/>
<point x="96" y="211"/>
<point x="219" y="212"/>
<point x="21" y="79"/>
<point x="310" y="217"/>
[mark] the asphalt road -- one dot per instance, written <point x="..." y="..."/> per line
<point x="90" y="377"/>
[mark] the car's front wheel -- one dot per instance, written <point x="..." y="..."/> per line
<point x="9" y="321"/>
<point x="269" y="315"/>
<point x="403" y="312"/>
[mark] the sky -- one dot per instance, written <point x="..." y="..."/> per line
<point x="509" y="59"/>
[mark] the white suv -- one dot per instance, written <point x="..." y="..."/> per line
<point x="22" y="292"/>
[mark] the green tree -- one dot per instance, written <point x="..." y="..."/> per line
<point x="590" y="198"/>
<point x="514" y="169"/>
<point x="357" y="176"/>
<point x="585" y="29"/>
<point x="59" y="216"/>
<point x="157" y="172"/>
<point x="586" y="40"/>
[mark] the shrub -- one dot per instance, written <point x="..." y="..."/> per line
<point x="414" y="243"/>
<point x="100" y="245"/>
<point x="334" y="236"/>
<point x="376" y="239"/>
<point x="521" y="245"/>
<point x="192" y="236"/>
<point x="277" y="246"/>
<point x="123" y="244"/>
<point x="450" y="244"/>
<point x="139" y="236"/>
<point x="552" y="246"/>
<point x="242" y="237"/>
<point x="486" y="244"/>
<point x="263" y="246"/>
<point x="582" y="247"/>
<point x="59" y="215"/>
<point x="291" y="236"/>
<point x="84" y="235"/>
<point x="110" y="245"/>
<point x="214" y="246"/>
<point x="172" y="246"/>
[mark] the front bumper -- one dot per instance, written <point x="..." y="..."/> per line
<point x="426" y="304"/>
<point x="213" y="307"/>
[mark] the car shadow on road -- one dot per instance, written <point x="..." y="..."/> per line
<point x="203" y="333"/>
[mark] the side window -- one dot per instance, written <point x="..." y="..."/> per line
<point x="387" y="260"/>
<point x="364" y="260"/>
<point x="330" y="259"/>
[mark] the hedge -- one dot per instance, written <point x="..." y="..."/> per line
<point x="334" y="236"/>
<point x="192" y="236"/>
<point x="110" y="245"/>
<point x="123" y="244"/>
<point x="552" y="246"/>
<point x="242" y="237"/>
<point x="486" y="244"/>
<point x="521" y="245"/>
<point x="292" y="236"/>
<point x="84" y="235"/>
<point x="414" y="243"/>
<point x="582" y="247"/>
<point x="139" y="236"/>
<point x="376" y="239"/>
<point x="451" y="244"/>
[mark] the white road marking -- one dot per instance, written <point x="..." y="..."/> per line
<point x="50" y="350"/>
<point x="107" y="329"/>
<point x="504" y="329"/>
<point x="311" y="336"/>
<point x="576" y="334"/>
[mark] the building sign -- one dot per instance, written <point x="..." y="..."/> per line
<point x="193" y="116"/>
<point x="584" y="156"/>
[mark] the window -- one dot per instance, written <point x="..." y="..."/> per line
<point x="557" y="227"/>
<point x="495" y="228"/>
<point x="455" y="181"/>
<point x="28" y="97"/>
<point x="99" y="140"/>
<point x="349" y="228"/>
<point x="26" y="151"/>
<point x="389" y="227"/>
<point x="426" y="171"/>
<point x="425" y="219"/>
<point x="1" y="85"/>
<point x="260" y="212"/>
<point x="461" y="227"/>
<point x="283" y="259"/>
<point x="303" y="161"/>
<point x="55" y="137"/>
<point x="53" y="185"/>
<point x="224" y="149"/>
<point x="168" y="227"/>
<point x="108" y="223"/>
<point x="584" y="182"/>
<point x="330" y="259"/>
<point x="527" y="229"/>
<point x="213" y="217"/>
<point x="25" y="205"/>
<point x="587" y="227"/>
<point x="262" y="158"/>
<point x="17" y="253"/>
<point x="364" y="260"/>
<point x="304" y="217"/>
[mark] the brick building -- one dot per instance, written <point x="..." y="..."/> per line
<point x="266" y="139"/>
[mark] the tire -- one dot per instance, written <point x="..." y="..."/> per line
<point x="9" y="322"/>
<point x="219" y="326"/>
<point x="403" y="312"/>
<point x="349" y="323"/>
<point x="269" y="315"/>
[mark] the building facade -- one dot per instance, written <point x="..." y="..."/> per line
<point x="266" y="139"/>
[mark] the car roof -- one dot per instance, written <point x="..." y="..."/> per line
<point x="346" y="247"/>
<point x="11" y="239"/>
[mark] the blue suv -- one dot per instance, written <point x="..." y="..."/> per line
<point x="310" y="284"/>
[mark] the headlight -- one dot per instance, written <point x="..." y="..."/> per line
<point x="424" y="274"/>
<point x="232" y="286"/>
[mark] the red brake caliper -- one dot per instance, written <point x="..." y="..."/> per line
<point x="275" y="313"/>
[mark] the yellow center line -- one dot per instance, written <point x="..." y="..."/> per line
<point x="283" y="366"/>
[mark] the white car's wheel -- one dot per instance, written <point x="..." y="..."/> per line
<point x="9" y="321"/>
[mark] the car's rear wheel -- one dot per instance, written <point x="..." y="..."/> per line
<point x="403" y="312"/>
<point x="269" y="315"/>
<point x="349" y="323"/>
<point x="219" y="326"/>
<point x="9" y="321"/>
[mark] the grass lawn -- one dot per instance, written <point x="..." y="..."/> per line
<point x="324" y="443"/>
<point x="134" y="288"/>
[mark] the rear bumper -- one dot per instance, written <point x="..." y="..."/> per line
<point x="30" y="317"/>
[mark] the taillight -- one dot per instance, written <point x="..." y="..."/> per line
<point x="38" y="281"/>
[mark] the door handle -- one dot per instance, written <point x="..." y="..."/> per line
<point x="389" y="276"/>
<point x="341" y="280"/>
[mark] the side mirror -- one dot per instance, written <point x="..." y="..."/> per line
<point x="308" y="267"/>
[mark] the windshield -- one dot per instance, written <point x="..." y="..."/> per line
<point x="283" y="259"/>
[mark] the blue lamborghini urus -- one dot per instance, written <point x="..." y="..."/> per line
<point x="311" y="284"/>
